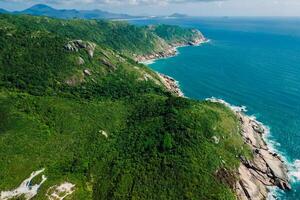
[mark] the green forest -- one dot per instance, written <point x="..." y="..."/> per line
<point x="64" y="83"/>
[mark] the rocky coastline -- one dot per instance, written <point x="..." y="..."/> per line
<point x="256" y="176"/>
<point x="266" y="169"/>
<point x="171" y="50"/>
<point x="171" y="84"/>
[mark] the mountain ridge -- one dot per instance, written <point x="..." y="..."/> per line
<point x="46" y="10"/>
<point x="3" y="11"/>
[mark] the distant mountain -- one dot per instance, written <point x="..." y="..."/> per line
<point x="3" y="11"/>
<point x="45" y="10"/>
<point x="178" y="15"/>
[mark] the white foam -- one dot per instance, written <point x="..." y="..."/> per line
<point x="232" y="107"/>
<point x="295" y="170"/>
<point x="60" y="192"/>
<point x="272" y="145"/>
<point x="294" y="167"/>
<point x="274" y="193"/>
<point x="148" y="62"/>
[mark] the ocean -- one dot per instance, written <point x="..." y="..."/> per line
<point x="253" y="62"/>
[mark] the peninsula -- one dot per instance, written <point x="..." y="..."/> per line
<point x="81" y="118"/>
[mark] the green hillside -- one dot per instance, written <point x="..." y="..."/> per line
<point x="175" y="34"/>
<point x="72" y="101"/>
<point x="120" y="36"/>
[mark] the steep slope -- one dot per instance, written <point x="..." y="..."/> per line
<point x="121" y="36"/>
<point x="74" y="105"/>
<point x="178" y="15"/>
<point x="3" y="11"/>
<point x="176" y="35"/>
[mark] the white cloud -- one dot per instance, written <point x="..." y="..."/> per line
<point x="120" y="2"/>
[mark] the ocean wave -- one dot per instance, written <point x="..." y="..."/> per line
<point x="295" y="171"/>
<point x="294" y="175"/>
<point x="206" y="41"/>
<point x="148" y="62"/>
<point x="274" y="193"/>
<point x="232" y="107"/>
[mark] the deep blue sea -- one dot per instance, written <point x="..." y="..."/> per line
<point x="249" y="61"/>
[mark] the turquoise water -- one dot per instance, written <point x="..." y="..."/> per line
<point x="249" y="61"/>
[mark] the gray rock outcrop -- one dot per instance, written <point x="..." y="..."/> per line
<point x="265" y="169"/>
<point x="76" y="45"/>
<point x="80" y="61"/>
<point x="171" y="49"/>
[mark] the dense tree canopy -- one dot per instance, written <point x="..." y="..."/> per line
<point x="55" y="105"/>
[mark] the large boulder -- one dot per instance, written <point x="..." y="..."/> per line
<point x="76" y="45"/>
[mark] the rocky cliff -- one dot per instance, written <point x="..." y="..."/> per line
<point x="266" y="168"/>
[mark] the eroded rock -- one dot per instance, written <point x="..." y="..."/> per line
<point x="25" y="189"/>
<point x="60" y="192"/>
<point x="108" y="64"/>
<point x="266" y="168"/>
<point x="76" y="45"/>
<point x="75" y="79"/>
<point x="171" y="84"/>
<point x="216" y="139"/>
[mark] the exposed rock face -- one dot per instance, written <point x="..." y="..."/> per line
<point x="169" y="52"/>
<point x="198" y="39"/>
<point x="87" y="72"/>
<point x="108" y="64"/>
<point x="148" y="77"/>
<point x="26" y="189"/>
<point x="80" y="61"/>
<point x="216" y="139"/>
<point x="75" y="45"/>
<point x="266" y="168"/>
<point x="171" y="84"/>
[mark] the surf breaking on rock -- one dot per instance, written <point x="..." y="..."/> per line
<point x="266" y="169"/>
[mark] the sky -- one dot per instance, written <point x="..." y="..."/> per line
<point x="165" y="7"/>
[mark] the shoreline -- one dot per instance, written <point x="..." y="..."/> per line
<point x="147" y="61"/>
<point x="267" y="171"/>
<point x="169" y="82"/>
<point x="170" y="51"/>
